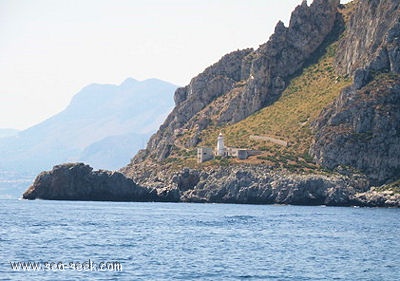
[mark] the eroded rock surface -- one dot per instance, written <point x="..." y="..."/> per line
<point x="77" y="181"/>
<point x="361" y="128"/>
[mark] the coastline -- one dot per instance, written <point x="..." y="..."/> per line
<point x="237" y="184"/>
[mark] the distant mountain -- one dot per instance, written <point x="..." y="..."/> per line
<point x="8" y="132"/>
<point x="111" y="151"/>
<point x="97" y="116"/>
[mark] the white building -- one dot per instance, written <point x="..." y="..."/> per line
<point x="207" y="153"/>
<point x="220" y="145"/>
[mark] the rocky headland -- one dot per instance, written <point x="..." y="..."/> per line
<point x="240" y="184"/>
<point x="351" y="158"/>
<point x="77" y="181"/>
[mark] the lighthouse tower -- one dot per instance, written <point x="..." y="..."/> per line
<point x="220" y="145"/>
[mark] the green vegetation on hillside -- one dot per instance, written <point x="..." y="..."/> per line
<point x="391" y="187"/>
<point x="289" y="118"/>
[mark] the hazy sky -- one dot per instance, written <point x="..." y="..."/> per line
<point x="50" y="49"/>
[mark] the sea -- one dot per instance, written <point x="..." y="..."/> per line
<point x="77" y="240"/>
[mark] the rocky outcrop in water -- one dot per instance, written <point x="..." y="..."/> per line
<point x="362" y="128"/>
<point x="242" y="184"/>
<point x="77" y="181"/>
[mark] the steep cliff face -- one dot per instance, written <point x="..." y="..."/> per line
<point x="202" y="90"/>
<point x="371" y="38"/>
<point x="275" y="62"/>
<point x="361" y="129"/>
<point x="245" y="81"/>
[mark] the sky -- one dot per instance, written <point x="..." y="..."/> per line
<point x="50" y="49"/>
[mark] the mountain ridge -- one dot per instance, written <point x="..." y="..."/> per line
<point x="94" y="113"/>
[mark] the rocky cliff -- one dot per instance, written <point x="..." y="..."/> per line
<point x="361" y="129"/>
<point x="371" y="38"/>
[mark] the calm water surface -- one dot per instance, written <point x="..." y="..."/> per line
<point x="166" y="241"/>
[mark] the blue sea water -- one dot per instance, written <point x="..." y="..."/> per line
<point x="176" y="241"/>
